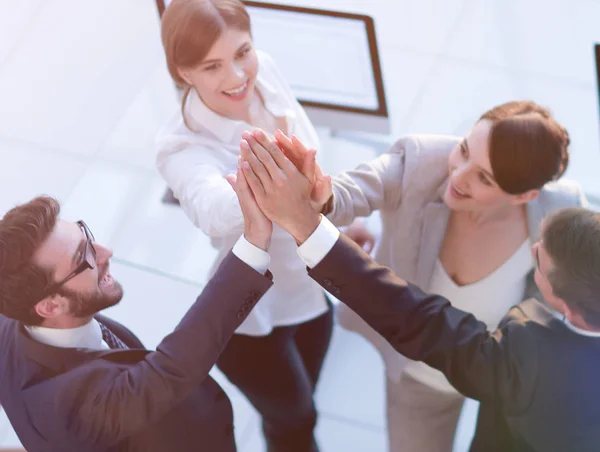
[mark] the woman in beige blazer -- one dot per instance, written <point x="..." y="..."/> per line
<point x="458" y="218"/>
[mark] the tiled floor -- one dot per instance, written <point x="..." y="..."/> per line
<point x="83" y="89"/>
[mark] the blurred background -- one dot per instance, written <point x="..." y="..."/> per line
<point x="84" y="89"/>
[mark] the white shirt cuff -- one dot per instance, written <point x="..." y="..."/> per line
<point x="251" y="255"/>
<point x="319" y="244"/>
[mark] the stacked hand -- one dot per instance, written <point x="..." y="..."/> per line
<point x="271" y="188"/>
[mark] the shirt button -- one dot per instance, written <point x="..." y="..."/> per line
<point x="240" y="315"/>
<point x="328" y="282"/>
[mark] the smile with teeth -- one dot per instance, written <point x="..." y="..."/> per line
<point x="237" y="91"/>
<point x="458" y="191"/>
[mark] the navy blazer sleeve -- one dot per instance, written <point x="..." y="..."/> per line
<point x="101" y="403"/>
<point x="499" y="366"/>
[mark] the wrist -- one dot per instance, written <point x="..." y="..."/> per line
<point x="304" y="227"/>
<point x="328" y="206"/>
<point x="261" y="241"/>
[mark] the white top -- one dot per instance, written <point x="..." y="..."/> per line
<point x="194" y="165"/>
<point x="90" y="334"/>
<point x="488" y="299"/>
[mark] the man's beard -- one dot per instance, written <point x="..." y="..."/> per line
<point x="82" y="305"/>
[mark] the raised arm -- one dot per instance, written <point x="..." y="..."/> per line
<point x="111" y="402"/>
<point x="370" y="186"/>
<point x="500" y="366"/>
<point x="198" y="182"/>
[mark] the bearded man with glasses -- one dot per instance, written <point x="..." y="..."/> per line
<point x="74" y="380"/>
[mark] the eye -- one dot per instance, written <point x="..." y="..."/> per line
<point x="212" y="67"/>
<point x="244" y="52"/>
<point x="463" y="151"/>
<point x="484" y="179"/>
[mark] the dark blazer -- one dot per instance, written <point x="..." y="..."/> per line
<point x="65" y="399"/>
<point x="538" y="382"/>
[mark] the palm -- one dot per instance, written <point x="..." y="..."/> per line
<point x="296" y="152"/>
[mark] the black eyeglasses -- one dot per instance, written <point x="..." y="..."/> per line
<point x="86" y="260"/>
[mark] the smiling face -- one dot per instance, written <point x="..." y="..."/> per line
<point x="86" y="293"/>
<point x="225" y="80"/>
<point x="472" y="185"/>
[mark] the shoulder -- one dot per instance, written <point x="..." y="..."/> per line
<point x="424" y="160"/>
<point x="560" y="194"/>
<point x="552" y="197"/>
<point x="179" y="146"/>
<point x="425" y="148"/>
<point x="265" y="58"/>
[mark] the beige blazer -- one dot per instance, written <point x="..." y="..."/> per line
<point x="406" y="185"/>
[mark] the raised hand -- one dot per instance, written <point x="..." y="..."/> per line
<point x="282" y="192"/>
<point x="296" y="152"/>
<point x="257" y="227"/>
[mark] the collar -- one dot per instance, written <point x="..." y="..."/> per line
<point x="572" y="327"/>
<point x="226" y="129"/>
<point x="61" y="359"/>
<point x="85" y="336"/>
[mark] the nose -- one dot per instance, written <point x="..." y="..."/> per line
<point x="461" y="173"/>
<point x="103" y="254"/>
<point x="237" y="71"/>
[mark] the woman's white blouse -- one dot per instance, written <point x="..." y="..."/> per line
<point x="194" y="165"/>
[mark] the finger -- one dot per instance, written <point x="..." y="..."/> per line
<point x="271" y="147"/>
<point x="262" y="155"/>
<point x="257" y="166"/>
<point x="251" y="181"/>
<point x="299" y="145"/>
<point x="244" y="191"/>
<point x="288" y="148"/>
<point x="309" y="166"/>
<point x="231" y="178"/>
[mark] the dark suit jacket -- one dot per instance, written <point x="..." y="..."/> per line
<point x="65" y="399"/>
<point x="538" y="382"/>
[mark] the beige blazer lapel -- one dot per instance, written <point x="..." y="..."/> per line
<point x="435" y="221"/>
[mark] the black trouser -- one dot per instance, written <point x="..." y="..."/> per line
<point x="278" y="374"/>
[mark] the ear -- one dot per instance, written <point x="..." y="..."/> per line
<point x="185" y="75"/>
<point x="526" y="197"/>
<point x="51" y="307"/>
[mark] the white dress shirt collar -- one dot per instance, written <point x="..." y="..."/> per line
<point x="572" y="327"/>
<point x="85" y="336"/>
<point x="221" y="127"/>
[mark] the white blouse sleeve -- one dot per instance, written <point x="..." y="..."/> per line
<point x="203" y="192"/>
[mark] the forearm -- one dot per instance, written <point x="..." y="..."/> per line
<point x="217" y="214"/>
<point x="420" y="326"/>
<point x="371" y="186"/>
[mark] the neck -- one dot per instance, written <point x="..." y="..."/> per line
<point x="65" y="322"/>
<point x="479" y="219"/>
